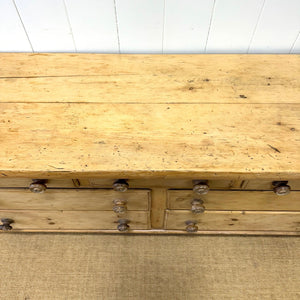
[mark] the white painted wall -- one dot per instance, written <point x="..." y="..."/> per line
<point x="150" y="26"/>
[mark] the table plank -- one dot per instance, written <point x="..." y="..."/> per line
<point x="180" y="140"/>
<point x="104" y="78"/>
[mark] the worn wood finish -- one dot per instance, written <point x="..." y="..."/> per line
<point x="25" y="182"/>
<point x="73" y="220"/>
<point x="158" y="121"/>
<point x="150" y="140"/>
<point x="234" y="220"/>
<point x="158" y="206"/>
<point x="267" y="184"/>
<point x="72" y="199"/>
<point x="163" y="232"/>
<point x="235" y="200"/>
<point x="79" y="64"/>
<point x="149" y="78"/>
<point x="179" y="183"/>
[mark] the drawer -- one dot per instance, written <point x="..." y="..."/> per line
<point x="73" y="220"/>
<point x="157" y="182"/>
<point x="25" y="182"/>
<point x="267" y="185"/>
<point x="72" y="199"/>
<point x="234" y="220"/>
<point x="235" y="200"/>
<point x="215" y="184"/>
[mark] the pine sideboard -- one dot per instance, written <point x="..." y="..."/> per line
<point x="158" y="144"/>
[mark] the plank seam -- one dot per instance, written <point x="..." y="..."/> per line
<point x="293" y="45"/>
<point x="69" y="23"/>
<point x="256" y="25"/>
<point x="210" y="23"/>
<point x="148" y="103"/>
<point x="24" y="28"/>
<point x="117" y="26"/>
<point x="163" y="27"/>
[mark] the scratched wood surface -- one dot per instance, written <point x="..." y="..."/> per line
<point x="149" y="78"/>
<point x="72" y="199"/>
<point x="235" y="220"/>
<point x="107" y="140"/>
<point x="235" y="200"/>
<point x="73" y="220"/>
<point x="188" y="116"/>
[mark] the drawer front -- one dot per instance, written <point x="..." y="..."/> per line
<point x="72" y="199"/>
<point x="73" y="220"/>
<point x="157" y="182"/>
<point x="235" y="200"/>
<point x="234" y="220"/>
<point x="225" y="184"/>
<point x="25" y="182"/>
<point x="267" y="185"/>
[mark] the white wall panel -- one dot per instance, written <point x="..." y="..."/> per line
<point x="46" y="24"/>
<point x="150" y="26"/>
<point x="12" y="33"/>
<point x="140" y="24"/>
<point x="277" y="28"/>
<point x="232" y="25"/>
<point x="296" y="46"/>
<point x="186" y="25"/>
<point x="93" y="25"/>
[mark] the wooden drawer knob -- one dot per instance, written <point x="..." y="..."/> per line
<point x="120" y="206"/>
<point x="123" y="225"/>
<point x="197" y="206"/>
<point x="191" y="226"/>
<point x="201" y="188"/>
<point x="6" y="224"/>
<point x="282" y="190"/>
<point x="37" y="187"/>
<point x="120" y="185"/>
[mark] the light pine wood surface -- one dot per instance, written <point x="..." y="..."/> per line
<point x="129" y="140"/>
<point x="149" y="78"/>
<point x="162" y="121"/>
<point x="236" y="200"/>
<point x="64" y="220"/>
<point x="149" y="115"/>
<point x="72" y="199"/>
<point x="235" y="220"/>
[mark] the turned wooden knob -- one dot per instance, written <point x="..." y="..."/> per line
<point x="120" y="186"/>
<point x="120" y="206"/>
<point x="201" y="188"/>
<point x="191" y="226"/>
<point x="282" y="190"/>
<point x="37" y="187"/>
<point x="197" y="206"/>
<point x="123" y="225"/>
<point x="6" y="224"/>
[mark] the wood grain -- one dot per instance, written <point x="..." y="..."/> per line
<point x="72" y="199"/>
<point x="140" y="79"/>
<point x="235" y="220"/>
<point x="230" y="118"/>
<point x="235" y="200"/>
<point x="160" y="182"/>
<point x="8" y="182"/>
<point x="125" y="141"/>
<point x="267" y="184"/>
<point x="158" y="206"/>
<point x="73" y="220"/>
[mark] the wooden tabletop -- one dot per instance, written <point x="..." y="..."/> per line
<point x="130" y="116"/>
